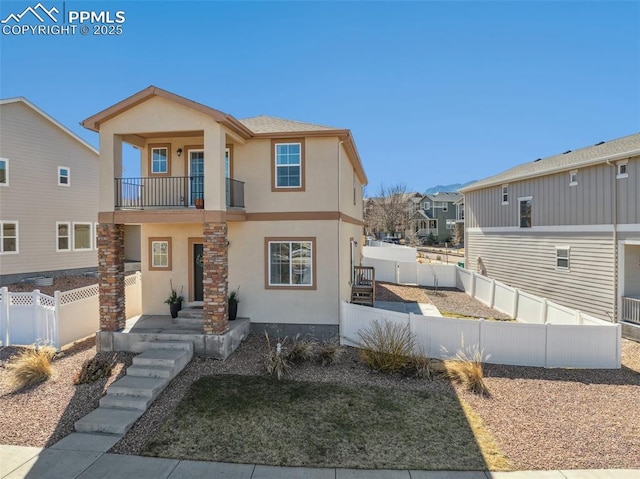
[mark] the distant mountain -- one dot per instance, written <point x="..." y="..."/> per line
<point x="452" y="187"/>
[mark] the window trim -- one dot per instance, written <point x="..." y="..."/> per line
<point x="160" y="239"/>
<point x="150" y="148"/>
<point x="68" y="183"/>
<point x="267" y="263"/>
<point x="520" y="200"/>
<point x="69" y="236"/>
<point x="504" y="193"/>
<point x="95" y="237"/>
<point x="619" y="175"/>
<point x="90" y="235"/>
<point x="6" y="171"/>
<point x="2" y="251"/>
<point x="573" y="182"/>
<point x="568" y="258"/>
<point x="288" y="141"/>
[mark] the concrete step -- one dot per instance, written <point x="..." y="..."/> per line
<point x="184" y="345"/>
<point x="124" y="401"/>
<point x="108" y="420"/>
<point x="174" y="358"/>
<point x="164" y="372"/>
<point x="138" y="386"/>
<point x="191" y="313"/>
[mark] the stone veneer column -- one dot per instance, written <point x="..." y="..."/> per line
<point x="215" y="274"/>
<point x="111" y="276"/>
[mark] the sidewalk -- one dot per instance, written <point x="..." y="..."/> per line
<point x="33" y="462"/>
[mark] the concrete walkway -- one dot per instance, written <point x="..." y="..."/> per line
<point x="425" y="309"/>
<point x="18" y="462"/>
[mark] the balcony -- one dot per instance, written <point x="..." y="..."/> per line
<point x="170" y="192"/>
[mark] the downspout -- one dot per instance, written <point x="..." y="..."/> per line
<point x="615" y="243"/>
<point x="339" y="245"/>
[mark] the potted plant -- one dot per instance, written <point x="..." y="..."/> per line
<point x="234" y="299"/>
<point x="199" y="203"/>
<point x="174" y="301"/>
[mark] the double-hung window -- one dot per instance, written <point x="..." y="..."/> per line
<point x="160" y="159"/>
<point x="160" y="254"/>
<point x="290" y="263"/>
<point x="82" y="233"/>
<point x="64" y="176"/>
<point x="562" y="257"/>
<point x="63" y="236"/>
<point x="4" y="172"/>
<point x="505" y="194"/>
<point x="8" y="237"/>
<point x="288" y="165"/>
<point x="621" y="169"/>
<point x="525" y="211"/>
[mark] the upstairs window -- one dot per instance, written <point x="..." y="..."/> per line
<point x="160" y="159"/>
<point x="426" y="205"/>
<point x="562" y="257"/>
<point x="525" y="211"/>
<point x="4" y="172"/>
<point x="621" y="169"/>
<point x="505" y="194"/>
<point x="573" y="178"/>
<point x="64" y="176"/>
<point x="460" y="212"/>
<point x="288" y="165"/>
<point x="8" y="237"/>
<point x="451" y="224"/>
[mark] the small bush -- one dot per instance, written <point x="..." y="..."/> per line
<point x="301" y="350"/>
<point x="387" y="346"/>
<point x="276" y="362"/>
<point x="419" y="366"/>
<point x="92" y="370"/>
<point x="466" y="369"/>
<point x="31" y="366"/>
<point x="330" y="352"/>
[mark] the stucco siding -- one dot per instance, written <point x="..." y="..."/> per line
<point x="528" y="262"/>
<point x="36" y="148"/>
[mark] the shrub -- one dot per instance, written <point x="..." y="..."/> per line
<point x="92" y="370"/>
<point x="419" y="366"/>
<point x="31" y="366"/>
<point x="330" y="352"/>
<point x="301" y="350"/>
<point x="276" y="362"/>
<point x="386" y="346"/>
<point x="466" y="369"/>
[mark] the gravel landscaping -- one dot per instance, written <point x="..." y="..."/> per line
<point x="60" y="283"/>
<point x="538" y="418"/>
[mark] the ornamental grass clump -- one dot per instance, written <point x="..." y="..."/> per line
<point x="276" y="362"/>
<point x="387" y="346"/>
<point x="92" y="370"/>
<point x="466" y="368"/>
<point x="32" y="366"/>
<point x="301" y="350"/>
<point x="329" y="352"/>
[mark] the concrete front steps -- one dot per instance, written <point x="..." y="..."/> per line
<point x="129" y="397"/>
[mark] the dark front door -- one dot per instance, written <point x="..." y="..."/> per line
<point x="197" y="272"/>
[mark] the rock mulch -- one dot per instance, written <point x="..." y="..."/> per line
<point x="60" y="283"/>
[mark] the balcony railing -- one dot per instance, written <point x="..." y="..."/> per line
<point x="631" y="309"/>
<point x="170" y="192"/>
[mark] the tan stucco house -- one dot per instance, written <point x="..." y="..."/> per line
<point x="566" y="227"/>
<point x="270" y="206"/>
<point x="48" y="195"/>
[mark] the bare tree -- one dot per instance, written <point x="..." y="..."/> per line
<point x="388" y="211"/>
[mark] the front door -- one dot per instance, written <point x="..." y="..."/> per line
<point x="197" y="272"/>
<point x="196" y="175"/>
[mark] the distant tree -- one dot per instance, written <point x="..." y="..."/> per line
<point x="388" y="211"/>
<point x="431" y="239"/>
<point x="459" y="234"/>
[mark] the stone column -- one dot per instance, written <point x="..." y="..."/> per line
<point x="215" y="274"/>
<point x="111" y="276"/>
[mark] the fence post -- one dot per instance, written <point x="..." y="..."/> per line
<point x="472" y="292"/>
<point x="543" y="311"/>
<point x="492" y="294"/>
<point x="36" y="313"/>
<point x="516" y="297"/>
<point x="4" y="314"/>
<point x="397" y="272"/>
<point x="579" y="319"/>
<point x="480" y="338"/>
<point x="56" y="319"/>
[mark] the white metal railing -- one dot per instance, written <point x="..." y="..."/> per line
<point x="631" y="309"/>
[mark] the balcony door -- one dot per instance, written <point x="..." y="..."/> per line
<point x="196" y="175"/>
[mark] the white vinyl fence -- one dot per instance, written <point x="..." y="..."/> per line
<point x="28" y="318"/>
<point x="545" y="334"/>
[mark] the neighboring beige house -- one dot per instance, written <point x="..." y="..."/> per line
<point x="281" y="217"/>
<point x="48" y="195"/>
<point x="565" y="227"/>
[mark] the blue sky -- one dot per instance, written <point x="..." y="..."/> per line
<point x="434" y="92"/>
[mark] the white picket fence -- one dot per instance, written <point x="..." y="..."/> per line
<point x="546" y="334"/>
<point x="28" y="318"/>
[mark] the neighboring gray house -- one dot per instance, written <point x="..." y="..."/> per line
<point x="565" y="227"/>
<point x="435" y="215"/>
<point x="48" y="195"/>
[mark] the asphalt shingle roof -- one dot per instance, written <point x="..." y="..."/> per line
<point x="564" y="161"/>
<point x="271" y="124"/>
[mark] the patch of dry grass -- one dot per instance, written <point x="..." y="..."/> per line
<point x="31" y="366"/>
<point x="387" y="346"/>
<point x="466" y="369"/>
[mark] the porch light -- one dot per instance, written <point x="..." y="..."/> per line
<point x="179" y="152"/>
